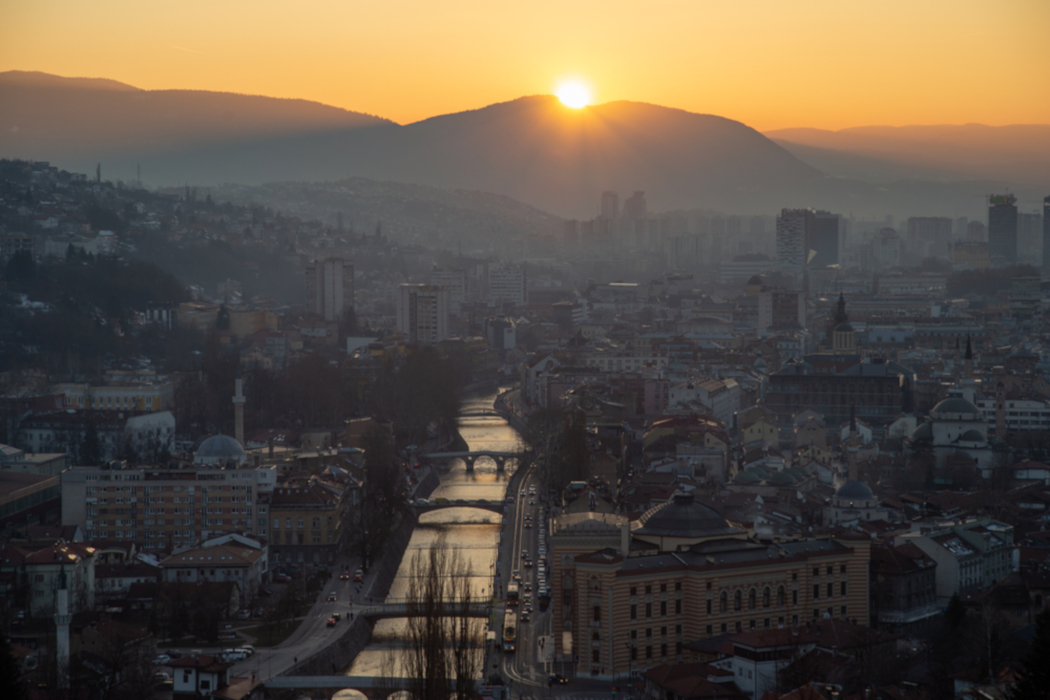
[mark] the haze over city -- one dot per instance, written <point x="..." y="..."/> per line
<point x="462" y="351"/>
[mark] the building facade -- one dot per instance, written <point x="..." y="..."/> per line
<point x="1002" y="230"/>
<point x="330" y="287"/>
<point x="422" y="313"/>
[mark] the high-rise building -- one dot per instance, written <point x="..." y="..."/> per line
<point x="1046" y="232"/>
<point x="610" y="206"/>
<point x="422" y="313"/>
<point x="781" y="310"/>
<point x="795" y="229"/>
<point x="827" y="234"/>
<point x="456" y="283"/>
<point x="1029" y="237"/>
<point x="330" y="287"/>
<point x="1002" y="229"/>
<point x="634" y="207"/>
<point x="929" y="235"/>
<point x="508" y="284"/>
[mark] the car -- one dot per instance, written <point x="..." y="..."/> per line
<point x="523" y="493"/>
<point x="528" y="588"/>
<point x="532" y="501"/>
<point x="337" y="616"/>
<point x="528" y="524"/>
<point x="527" y="598"/>
<point x="162" y="660"/>
<point x="516" y="576"/>
<point x="247" y="649"/>
<point x="233" y="655"/>
<point x="345" y="576"/>
<point x="359" y="576"/>
<point x="422" y="502"/>
<point x="161" y="677"/>
<point x="524" y="554"/>
<point x="332" y="597"/>
<point x="528" y="563"/>
<point x="509" y="499"/>
<point x="244" y="614"/>
<point x="524" y="617"/>
<point x="528" y="607"/>
<point x="331" y="622"/>
<point x="556" y="679"/>
<point x="282" y="578"/>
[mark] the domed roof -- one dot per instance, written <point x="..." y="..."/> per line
<point x="923" y="431"/>
<point x="855" y="491"/>
<point x="844" y="327"/>
<point x="221" y="447"/>
<point x="683" y="517"/>
<point x="951" y="407"/>
<point x="972" y="435"/>
<point x="755" y="279"/>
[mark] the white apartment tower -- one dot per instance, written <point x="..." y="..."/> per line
<point x="794" y="237"/>
<point x="330" y="287"/>
<point x="422" y="313"/>
<point x="456" y="283"/>
<point x="508" y="284"/>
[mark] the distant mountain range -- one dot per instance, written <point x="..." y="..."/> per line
<point x="532" y="149"/>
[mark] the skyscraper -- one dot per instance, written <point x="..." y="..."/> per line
<point x="827" y="232"/>
<point x="330" y="287"/>
<point x="1002" y="230"/>
<point x="1046" y="232"/>
<point x="795" y="233"/>
<point x="422" y="313"/>
<point x="610" y="206"/>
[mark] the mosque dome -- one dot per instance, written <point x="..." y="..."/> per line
<point x="844" y="327"/>
<point x="956" y="408"/>
<point x="220" y="448"/>
<point x="855" y="491"/>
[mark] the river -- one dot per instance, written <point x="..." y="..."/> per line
<point x="475" y="533"/>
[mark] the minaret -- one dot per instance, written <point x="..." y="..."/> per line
<point x="62" y="619"/>
<point x="968" y="359"/>
<point x="238" y="407"/>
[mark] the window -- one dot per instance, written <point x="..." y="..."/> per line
<point x="663" y="608"/>
<point x="648" y="590"/>
<point x="739" y="627"/>
<point x="649" y="652"/>
<point x="765" y="623"/>
<point x="649" y="632"/>
<point x="710" y="630"/>
<point x="710" y="604"/>
<point x="752" y="599"/>
<point x="317" y="523"/>
<point x="634" y="653"/>
<point x="816" y="591"/>
<point x="842" y="588"/>
<point x="816" y="613"/>
<point x="678" y="648"/>
<point x="648" y="610"/>
<point x="794" y="619"/>
<point x="597" y="616"/>
<point x="663" y="649"/>
<point x="634" y="590"/>
<point x="830" y="569"/>
<point x="723" y="602"/>
<point x="780" y="597"/>
<point x="765" y="597"/>
<point x="663" y="588"/>
<point x="794" y="577"/>
<point x="816" y="572"/>
<point x="634" y="612"/>
<point x="678" y="585"/>
<point x="738" y="600"/>
<point x="596" y="656"/>
<point x="678" y="607"/>
<point x="677" y="629"/>
<point x="831" y="590"/>
<point x="794" y="597"/>
<point x="753" y="624"/>
<point x="831" y="611"/>
<point x="842" y="569"/>
<point x="725" y="628"/>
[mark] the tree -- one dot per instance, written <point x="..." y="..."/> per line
<point x="444" y="641"/>
<point x="1033" y="678"/>
<point x="10" y="674"/>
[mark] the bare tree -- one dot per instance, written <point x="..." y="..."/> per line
<point x="444" y="654"/>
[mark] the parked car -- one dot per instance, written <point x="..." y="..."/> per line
<point x="247" y="649"/>
<point x="162" y="660"/>
<point x="244" y="614"/>
<point x="282" y="578"/>
<point x="161" y="677"/>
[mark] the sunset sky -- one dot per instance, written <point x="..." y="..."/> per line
<point x="768" y="63"/>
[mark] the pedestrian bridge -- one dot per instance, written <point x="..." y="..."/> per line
<point x="402" y="608"/>
<point x="430" y="506"/>
<point x="500" y="458"/>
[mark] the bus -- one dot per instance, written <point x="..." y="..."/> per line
<point x="512" y="593"/>
<point x="510" y="630"/>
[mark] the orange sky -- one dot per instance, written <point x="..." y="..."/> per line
<point x="768" y="63"/>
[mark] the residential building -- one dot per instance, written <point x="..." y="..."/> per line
<point x="509" y="284"/>
<point x="135" y="391"/>
<point x="455" y="281"/>
<point x="229" y="558"/>
<point x="28" y="498"/>
<point x="929" y="236"/>
<point x="330" y="287"/>
<point x="306" y="523"/>
<point x="970" y="554"/>
<point x="795" y="230"/>
<point x="1002" y="230"/>
<point x="903" y="587"/>
<point x="168" y="507"/>
<point x="422" y="313"/>
<point x="781" y="309"/>
<point x="826" y="239"/>
<point x="68" y="565"/>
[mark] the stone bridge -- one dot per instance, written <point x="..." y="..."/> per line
<point x="400" y="608"/>
<point x="500" y="458"/>
<point x="430" y="506"/>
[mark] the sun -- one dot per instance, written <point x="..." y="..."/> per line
<point x="574" y="94"/>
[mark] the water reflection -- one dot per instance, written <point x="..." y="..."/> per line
<point x="473" y="532"/>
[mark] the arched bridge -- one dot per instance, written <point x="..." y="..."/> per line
<point x="401" y="608"/>
<point x="500" y="458"/>
<point x="480" y="413"/>
<point x="493" y="506"/>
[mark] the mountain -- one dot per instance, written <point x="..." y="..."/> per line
<point x="1017" y="153"/>
<point x="532" y="149"/>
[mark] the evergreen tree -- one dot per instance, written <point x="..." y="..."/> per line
<point x="91" y="447"/>
<point x="1033" y="678"/>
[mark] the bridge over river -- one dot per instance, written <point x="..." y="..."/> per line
<point x="500" y="458"/>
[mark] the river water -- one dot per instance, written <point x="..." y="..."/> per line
<point x="474" y="533"/>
